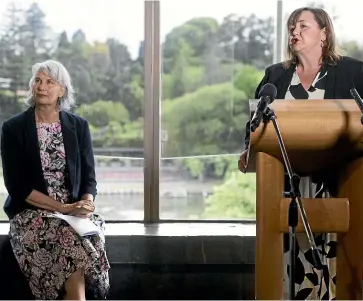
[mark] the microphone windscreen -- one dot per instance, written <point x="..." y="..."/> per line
<point x="268" y="90"/>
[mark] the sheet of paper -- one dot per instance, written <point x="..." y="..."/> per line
<point x="83" y="226"/>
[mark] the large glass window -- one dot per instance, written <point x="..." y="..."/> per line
<point x="101" y="45"/>
<point x="214" y="55"/>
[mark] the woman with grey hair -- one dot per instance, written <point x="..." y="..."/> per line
<point x="48" y="167"/>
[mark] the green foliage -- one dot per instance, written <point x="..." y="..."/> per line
<point x="189" y="79"/>
<point x="234" y="199"/>
<point x="210" y="71"/>
<point x="247" y="80"/>
<point x="209" y="167"/>
<point x="133" y="95"/>
<point x="195" y="166"/>
<point x="195" y="55"/>
<point x="207" y="121"/>
<point x="194" y="35"/>
<point x="133" y="134"/>
<point x="353" y="49"/>
<point x="117" y="135"/>
<point x="101" y="113"/>
<point x="110" y="125"/>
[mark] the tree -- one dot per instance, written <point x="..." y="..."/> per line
<point x="353" y="49"/>
<point x="14" y="63"/>
<point x="196" y="33"/>
<point x="101" y="113"/>
<point x="247" y="80"/>
<point x="217" y="50"/>
<point x="234" y="199"/>
<point x="248" y="39"/>
<point x="14" y="70"/>
<point x="36" y="39"/>
<point x="180" y="64"/>
<point x="207" y="121"/>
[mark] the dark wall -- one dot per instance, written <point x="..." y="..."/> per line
<point x="161" y="267"/>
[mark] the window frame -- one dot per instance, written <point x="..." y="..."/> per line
<point x="152" y="112"/>
<point x="152" y="52"/>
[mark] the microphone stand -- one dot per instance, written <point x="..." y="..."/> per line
<point x="295" y="204"/>
<point x="358" y="101"/>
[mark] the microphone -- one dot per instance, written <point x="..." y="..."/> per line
<point x="358" y="101"/>
<point x="267" y="95"/>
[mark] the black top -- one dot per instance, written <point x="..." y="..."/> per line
<point x="22" y="169"/>
<point x="340" y="78"/>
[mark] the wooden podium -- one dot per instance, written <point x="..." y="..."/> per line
<point x="322" y="138"/>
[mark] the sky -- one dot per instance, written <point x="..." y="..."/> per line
<point x="123" y="19"/>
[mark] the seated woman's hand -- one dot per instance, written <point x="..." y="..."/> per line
<point x="82" y="208"/>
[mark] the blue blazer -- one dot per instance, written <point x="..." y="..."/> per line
<point x="22" y="169"/>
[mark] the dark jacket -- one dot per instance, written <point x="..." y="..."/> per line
<point x="22" y="169"/>
<point x="345" y="75"/>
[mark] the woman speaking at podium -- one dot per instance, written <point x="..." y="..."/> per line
<point x="313" y="70"/>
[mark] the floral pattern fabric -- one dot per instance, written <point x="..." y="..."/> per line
<point x="47" y="249"/>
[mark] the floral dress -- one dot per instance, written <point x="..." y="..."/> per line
<point x="47" y="249"/>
